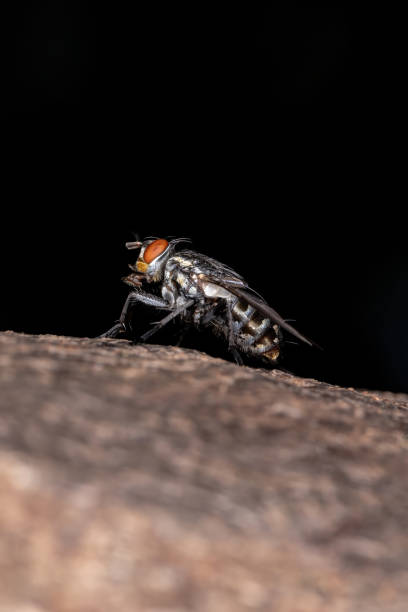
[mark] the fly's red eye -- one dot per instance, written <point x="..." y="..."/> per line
<point x="155" y="249"/>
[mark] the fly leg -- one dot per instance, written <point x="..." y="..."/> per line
<point x="120" y="327"/>
<point x="124" y="320"/>
<point x="113" y="332"/>
<point x="182" y="334"/>
<point x="210" y="315"/>
<point x="177" y="311"/>
<point x="202" y="316"/>
<point x="231" y="336"/>
<point x="236" y="355"/>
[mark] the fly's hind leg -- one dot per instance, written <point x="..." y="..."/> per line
<point x="231" y="336"/>
<point x="231" y="326"/>
<point x="124" y="321"/>
<point x="236" y="355"/>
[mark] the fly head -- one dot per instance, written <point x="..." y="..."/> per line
<point x="153" y="256"/>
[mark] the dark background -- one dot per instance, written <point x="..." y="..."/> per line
<point x="269" y="135"/>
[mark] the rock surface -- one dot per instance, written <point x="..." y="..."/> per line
<point x="152" y="479"/>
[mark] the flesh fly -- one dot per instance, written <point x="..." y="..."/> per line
<point x="204" y="293"/>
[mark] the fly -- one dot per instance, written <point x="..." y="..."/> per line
<point x="204" y="293"/>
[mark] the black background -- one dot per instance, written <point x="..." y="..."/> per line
<point x="270" y="135"/>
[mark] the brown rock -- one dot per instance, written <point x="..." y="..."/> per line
<point x="153" y="479"/>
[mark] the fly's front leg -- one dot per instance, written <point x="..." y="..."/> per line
<point x="120" y="327"/>
<point x="113" y="332"/>
<point x="133" y="297"/>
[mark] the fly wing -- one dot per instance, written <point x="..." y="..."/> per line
<point x="226" y="277"/>
<point x="266" y="310"/>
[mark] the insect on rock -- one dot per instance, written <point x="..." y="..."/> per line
<point x="204" y="293"/>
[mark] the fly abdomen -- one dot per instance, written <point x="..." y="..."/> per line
<point x="255" y="332"/>
<point x="242" y="314"/>
<point x="248" y="322"/>
<point x="267" y="347"/>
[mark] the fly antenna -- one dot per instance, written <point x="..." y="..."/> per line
<point x="133" y="245"/>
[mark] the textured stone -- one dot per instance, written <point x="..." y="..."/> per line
<point x="150" y="478"/>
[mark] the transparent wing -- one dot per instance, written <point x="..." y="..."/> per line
<point x="266" y="310"/>
<point x="223" y="275"/>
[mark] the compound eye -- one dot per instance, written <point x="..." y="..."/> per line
<point x="155" y="249"/>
